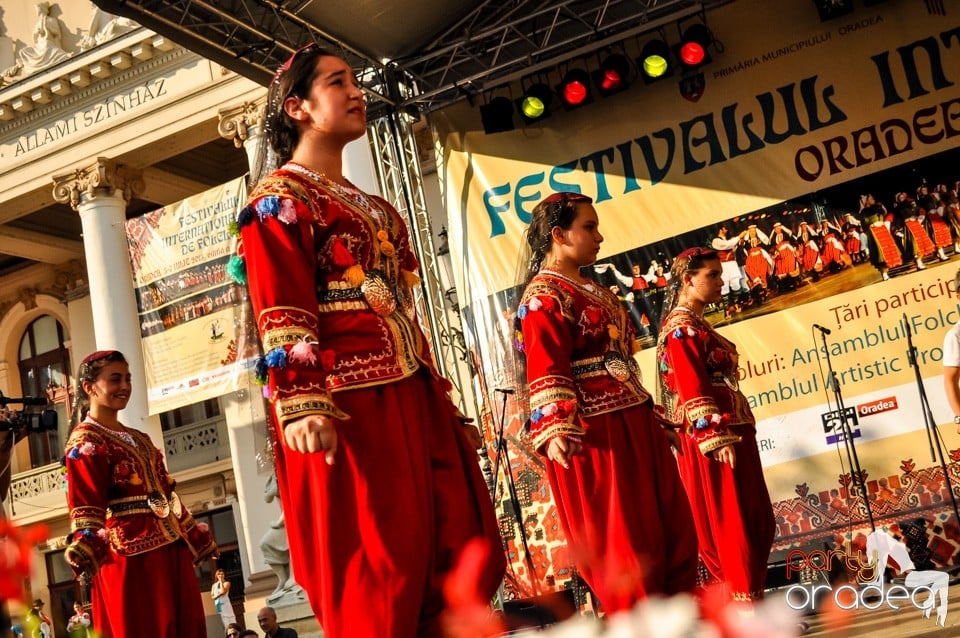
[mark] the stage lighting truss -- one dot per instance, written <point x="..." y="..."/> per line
<point x="655" y="61"/>
<point x="574" y="88"/>
<point x="535" y="100"/>
<point x="497" y="115"/>
<point x="613" y="75"/>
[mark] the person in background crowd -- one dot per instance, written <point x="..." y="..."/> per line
<point x="79" y="623"/>
<point x="592" y="419"/>
<point x="267" y="619"/>
<point x="128" y="529"/>
<point x="220" y="593"/>
<point x="379" y="501"/>
<point x="720" y="464"/>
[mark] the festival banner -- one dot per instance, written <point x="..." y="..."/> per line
<point x="187" y="304"/>
<point x="828" y="151"/>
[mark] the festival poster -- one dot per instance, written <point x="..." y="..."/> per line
<point x="827" y="151"/>
<point x="188" y="306"/>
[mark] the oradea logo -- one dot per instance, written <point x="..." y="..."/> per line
<point x="922" y="590"/>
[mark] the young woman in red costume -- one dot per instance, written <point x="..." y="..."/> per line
<point x="128" y="529"/>
<point x="614" y="478"/>
<point x="720" y="464"/>
<point x="378" y="474"/>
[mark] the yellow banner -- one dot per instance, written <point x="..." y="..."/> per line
<point x="796" y="125"/>
<point x="187" y="303"/>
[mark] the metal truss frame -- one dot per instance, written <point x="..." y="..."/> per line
<point x="494" y="43"/>
<point x="394" y="149"/>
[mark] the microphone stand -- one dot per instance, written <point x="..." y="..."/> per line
<point x="852" y="459"/>
<point x="503" y="453"/>
<point x="933" y="433"/>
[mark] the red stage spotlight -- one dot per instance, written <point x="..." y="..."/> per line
<point x="611" y="77"/>
<point x="692" y="50"/>
<point x="575" y="88"/>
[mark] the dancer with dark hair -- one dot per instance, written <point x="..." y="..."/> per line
<point x="720" y="464"/>
<point x="129" y="531"/>
<point x="378" y="472"/>
<point x="614" y="479"/>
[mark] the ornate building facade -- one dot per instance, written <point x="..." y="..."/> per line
<point x="101" y="121"/>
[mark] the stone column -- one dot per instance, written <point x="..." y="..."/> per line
<point x="100" y="192"/>
<point x="243" y="125"/>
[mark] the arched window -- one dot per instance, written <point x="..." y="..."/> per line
<point x="45" y="372"/>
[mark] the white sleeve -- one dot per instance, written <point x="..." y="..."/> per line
<point x="951" y="348"/>
<point x="729" y="243"/>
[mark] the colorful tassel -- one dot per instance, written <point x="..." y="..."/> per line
<point x="288" y="212"/>
<point x="276" y="358"/>
<point x="268" y="206"/>
<point x="237" y="269"/>
<point x="341" y="256"/>
<point x="409" y="279"/>
<point x="303" y="353"/>
<point x="260" y="371"/>
<point x="354" y="275"/>
<point x="234" y="229"/>
<point x="245" y="216"/>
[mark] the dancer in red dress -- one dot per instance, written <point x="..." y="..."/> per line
<point x="128" y="529"/>
<point x="720" y="464"/>
<point x="378" y="475"/>
<point x="614" y="479"/>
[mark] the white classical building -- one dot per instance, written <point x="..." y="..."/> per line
<point x="100" y="121"/>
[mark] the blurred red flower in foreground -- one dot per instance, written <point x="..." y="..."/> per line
<point x="468" y="613"/>
<point x="16" y="551"/>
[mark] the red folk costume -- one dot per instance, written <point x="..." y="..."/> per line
<point x="127" y="525"/>
<point x="621" y="503"/>
<point x="331" y="274"/>
<point x="731" y="507"/>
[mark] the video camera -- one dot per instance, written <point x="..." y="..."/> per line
<point x="34" y="422"/>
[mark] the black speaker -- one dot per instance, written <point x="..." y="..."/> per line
<point x="540" y="611"/>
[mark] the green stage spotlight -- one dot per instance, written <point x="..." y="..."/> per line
<point x="655" y="60"/>
<point x="534" y="104"/>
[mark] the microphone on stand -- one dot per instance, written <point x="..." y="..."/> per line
<point x="825" y="331"/>
<point x="505" y="390"/>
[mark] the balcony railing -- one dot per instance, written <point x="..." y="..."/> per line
<point x="38" y="493"/>
<point x="197" y="444"/>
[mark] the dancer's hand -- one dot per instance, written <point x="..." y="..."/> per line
<point x="674" y="439"/>
<point x="312" y="433"/>
<point x="561" y="448"/>
<point x="473" y="435"/>
<point x="727" y="455"/>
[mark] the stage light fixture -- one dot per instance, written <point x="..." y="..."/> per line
<point x="612" y="76"/>
<point x="497" y="115"/>
<point x="575" y="89"/>
<point x="654" y="60"/>
<point x="534" y="104"/>
<point x="829" y="9"/>
<point x="693" y="49"/>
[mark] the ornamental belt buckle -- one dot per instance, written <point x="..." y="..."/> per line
<point x="159" y="505"/>
<point x="378" y="293"/>
<point x="616" y="365"/>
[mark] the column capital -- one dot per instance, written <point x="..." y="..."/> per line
<point x="236" y="121"/>
<point x="104" y="173"/>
